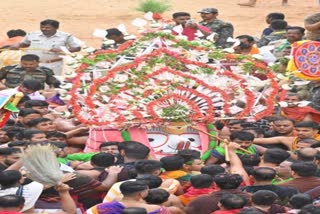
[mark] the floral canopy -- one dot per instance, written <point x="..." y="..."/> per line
<point x="159" y="78"/>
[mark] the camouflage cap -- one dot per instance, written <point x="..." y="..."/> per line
<point x="208" y="10"/>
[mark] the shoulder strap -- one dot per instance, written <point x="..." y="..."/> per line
<point x="19" y="191"/>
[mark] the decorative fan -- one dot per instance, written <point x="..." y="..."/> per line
<point x="307" y="60"/>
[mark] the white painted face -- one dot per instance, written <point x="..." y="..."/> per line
<point x="164" y="143"/>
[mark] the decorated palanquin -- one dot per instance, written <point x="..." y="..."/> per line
<point x="166" y="92"/>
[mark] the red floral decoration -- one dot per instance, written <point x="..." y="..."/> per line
<point x="92" y="117"/>
<point x="157" y="16"/>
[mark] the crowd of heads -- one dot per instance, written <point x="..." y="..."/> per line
<point x="266" y="166"/>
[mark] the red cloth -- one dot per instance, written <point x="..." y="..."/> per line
<point x="190" y="32"/>
<point x="193" y="193"/>
<point x="299" y="113"/>
<point x="9" y="212"/>
<point x="235" y="211"/>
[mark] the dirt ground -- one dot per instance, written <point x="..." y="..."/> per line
<point x="81" y="17"/>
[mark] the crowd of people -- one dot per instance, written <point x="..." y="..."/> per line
<point x="268" y="166"/>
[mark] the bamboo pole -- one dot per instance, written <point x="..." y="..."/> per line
<point x="217" y="138"/>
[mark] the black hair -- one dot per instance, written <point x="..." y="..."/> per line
<point x="24" y="99"/>
<point x="201" y="181"/>
<point x="307" y="124"/>
<point x="36" y="121"/>
<point x="134" y="150"/>
<point x="178" y="14"/>
<point x="242" y="135"/>
<point x="212" y="170"/>
<point x="11" y="201"/>
<point x="250" y="210"/>
<point x="307" y="154"/>
<point x="247" y="37"/>
<point x="26" y="111"/>
<point x="264" y="174"/>
<point x="301" y="29"/>
<point x="147" y="166"/>
<point x="171" y="163"/>
<point x="32" y="84"/>
<point x="249" y="169"/>
<point x="219" y="125"/>
<point x="151" y="180"/>
<point x="134" y="210"/>
<point x="28" y="133"/>
<point x="33" y="103"/>
<point x="279" y="16"/>
<point x="14" y="131"/>
<point x="189" y="155"/>
<point x="232" y="201"/>
<point x="55" y="134"/>
<point x="228" y="181"/>
<point x="111" y="143"/>
<point x="157" y="196"/>
<point x="60" y="145"/>
<point x="255" y="129"/>
<point x="132" y="187"/>
<point x="278" y="24"/>
<point x="264" y="197"/>
<point x="275" y="156"/>
<point x="113" y="32"/>
<point x="51" y="22"/>
<point x="234" y="122"/>
<point x="284" y="119"/>
<point x="9" y="151"/>
<point x="14" y="33"/>
<point x="310" y="209"/>
<point x="30" y="57"/>
<point x="304" y="169"/>
<point x="9" y="178"/>
<point x="10" y="122"/>
<point x="103" y="159"/>
<point x="17" y="143"/>
<point x="300" y="200"/>
<point x="294" y="94"/>
<point x="249" y="159"/>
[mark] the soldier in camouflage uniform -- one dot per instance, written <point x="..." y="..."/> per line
<point x="315" y="95"/>
<point x="223" y="29"/>
<point x="312" y="24"/>
<point x="28" y="69"/>
<point x="279" y="32"/>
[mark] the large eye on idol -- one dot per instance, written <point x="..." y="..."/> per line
<point x="157" y="139"/>
<point x="194" y="139"/>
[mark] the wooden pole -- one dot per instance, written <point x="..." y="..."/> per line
<point x="227" y="156"/>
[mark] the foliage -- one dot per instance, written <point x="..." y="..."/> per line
<point x="175" y="113"/>
<point x="154" y="6"/>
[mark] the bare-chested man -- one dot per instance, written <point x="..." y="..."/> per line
<point x="306" y="129"/>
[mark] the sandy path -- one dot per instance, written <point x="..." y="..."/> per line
<point x="81" y="17"/>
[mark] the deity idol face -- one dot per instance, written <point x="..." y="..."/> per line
<point x="164" y="143"/>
